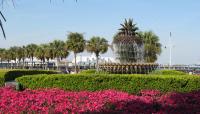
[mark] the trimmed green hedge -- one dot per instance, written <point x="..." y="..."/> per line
<point x="13" y="74"/>
<point x="9" y="75"/>
<point x="2" y="80"/>
<point x="168" y="72"/>
<point x="127" y="83"/>
<point x="92" y="71"/>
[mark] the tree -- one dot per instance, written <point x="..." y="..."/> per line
<point x="40" y="54"/>
<point x="75" y="43"/>
<point x="59" y="49"/>
<point x="48" y="51"/>
<point x="23" y="54"/>
<point x="20" y="54"/>
<point x="97" y="45"/>
<point x="6" y="56"/>
<point x="2" y="50"/>
<point x="13" y="54"/>
<point x="152" y="47"/>
<point x="30" y="51"/>
<point x="128" y="28"/>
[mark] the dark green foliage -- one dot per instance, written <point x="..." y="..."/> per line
<point x="2" y="81"/>
<point x="19" y="87"/>
<point x="127" y="83"/>
<point x="92" y="71"/>
<point x="12" y="74"/>
<point x="169" y="72"/>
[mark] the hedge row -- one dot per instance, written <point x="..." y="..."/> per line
<point x="93" y="71"/>
<point x="9" y="75"/>
<point x="2" y="78"/>
<point x="13" y="74"/>
<point x="168" y="72"/>
<point x="127" y="83"/>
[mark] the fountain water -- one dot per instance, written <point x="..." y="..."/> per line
<point x="130" y="52"/>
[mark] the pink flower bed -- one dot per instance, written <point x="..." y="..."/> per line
<point x="57" y="101"/>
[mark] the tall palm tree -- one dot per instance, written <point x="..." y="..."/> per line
<point x="75" y="43"/>
<point x="152" y="47"/>
<point x="48" y="52"/>
<point x="97" y="45"/>
<point x="23" y="54"/>
<point x="30" y="51"/>
<point x="6" y="56"/>
<point x="2" y="50"/>
<point x="13" y="54"/>
<point x="58" y="48"/>
<point x="128" y="28"/>
<point x="40" y="54"/>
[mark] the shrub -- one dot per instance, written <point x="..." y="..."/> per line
<point x="2" y="79"/>
<point x="92" y="71"/>
<point x="12" y="74"/>
<point x="127" y="83"/>
<point x="168" y="72"/>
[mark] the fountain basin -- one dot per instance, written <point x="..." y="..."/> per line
<point x="132" y="68"/>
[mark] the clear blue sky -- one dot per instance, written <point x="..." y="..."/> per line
<point x="38" y="21"/>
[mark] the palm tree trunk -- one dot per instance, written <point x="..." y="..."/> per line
<point x="23" y="63"/>
<point x="75" y="63"/>
<point x="44" y="68"/>
<point x="15" y="64"/>
<point x="8" y="66"/>
<point x="47" y="66"/>
<point x="32" y="62"/>
<point x="57" y="58"/>
<point x="1" y="63"/>
<point x="97" y="64"/>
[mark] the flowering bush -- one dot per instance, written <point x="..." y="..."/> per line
<point x="108" y="101"/>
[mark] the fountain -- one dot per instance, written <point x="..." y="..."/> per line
<point x="129" y="49"/>
<point x="131" y="56"/>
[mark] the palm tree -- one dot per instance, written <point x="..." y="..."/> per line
<point x="59" y="49"/>
<point x="40" y="54"/>
<point x="23" y="54"/>
<point x="48" y="52"/>
<point x="30" y="51"/>
<point x="13" y="54"/>
<point x="128" y="28"/>
<point x="152" y="47"/>
<point x="97" y="45"/>
<point x="6" y="56"/>
<point x="75" y="43"/>
<point x="2" y="50"/>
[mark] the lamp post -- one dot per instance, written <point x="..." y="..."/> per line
<point x="170" y="51"/>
